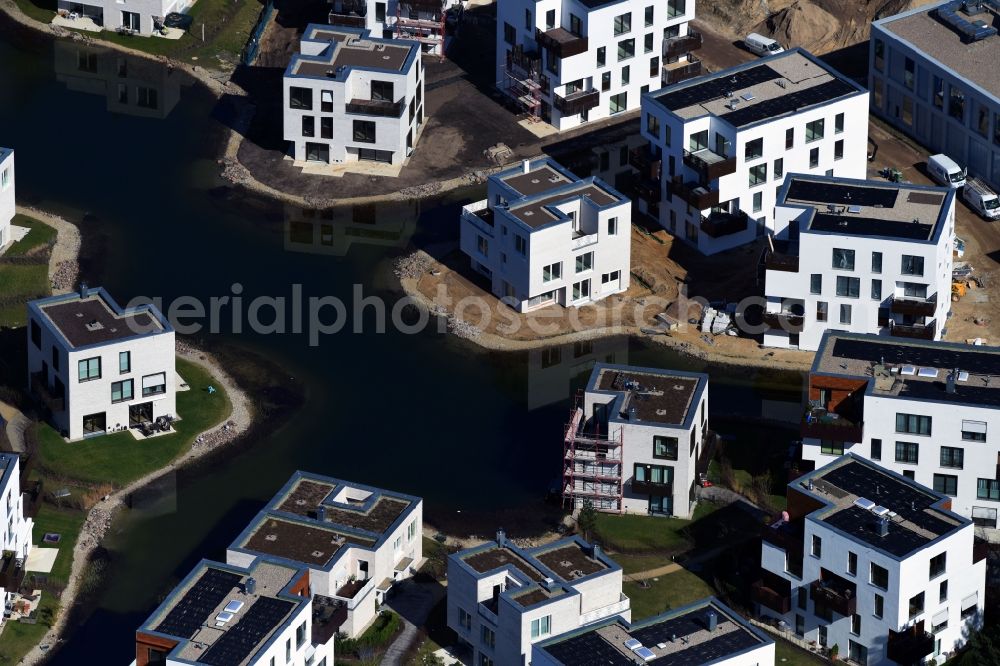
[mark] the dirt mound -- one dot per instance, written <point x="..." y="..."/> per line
<point x="802" y="24"/>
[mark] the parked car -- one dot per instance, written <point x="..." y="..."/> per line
<point x="761" y="45"/>
<point x="945" y="171"/>
<point x="981" y="198"/>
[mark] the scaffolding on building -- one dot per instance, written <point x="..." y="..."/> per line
<point x="423" y="21"/>
<point x="592" y="464"/>
<point x="523" y="80"/>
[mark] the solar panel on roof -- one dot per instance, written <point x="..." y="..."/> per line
<point x="588" y="649"/>
<point x="193" y="609"/>
<point x="869" y="226"/>
<point x="246" y="636"/>
<point x="788" y="102"/>
<point x="645" y="654"/>
<point x="846" y="195"/>
<point x="702" y="91"/>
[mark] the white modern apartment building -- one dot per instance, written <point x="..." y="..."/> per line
<point x="927" y="410"/>
<point x="544" y="236"/>
<point x="420" y="20"/>
<point x="349" y="97"/>
<point x="933" y="75"/>
<point x="7" y="201"/>
<point x="97" y="367"/>
<point x="356" y="542"/>
<point x="258" y="615"/>
<point x="17" y="532"/>
<point x="569" y="62"/>
<point x="873" y="563"/>
<point x="702" y="633"/>
<point x="634" y="444"/>
<point x="720" y="145"/>
<point x="858" y="256"/>
<point x="502" y="599"/>
<point x="135" y="17"/>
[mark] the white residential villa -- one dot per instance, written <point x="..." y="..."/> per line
<point x="99" y="368"/>
<point x="634" y="444"/>
<point x="350" y="97"/>
<point x="502" y="599"/>
<point x="134" y="17"/>
<point x="703" y="633"/>
<point x="419" y="20"/>
<point x="544" y="236"/>
<point x="356" y="542"/>
<point x="927" y="410"/>
<point x="569" y="62"/>
<point x="258" y="615"/>
<point x="873" y="563"/>
<point x="721" y="144"/>
<point x="858" y="256"/>
<point x="7" y="200"/>
<point x="17" y="531"/>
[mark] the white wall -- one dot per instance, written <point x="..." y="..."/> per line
<point x="7" y="203"/>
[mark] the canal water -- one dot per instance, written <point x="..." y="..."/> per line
<point x="127" y="150"/>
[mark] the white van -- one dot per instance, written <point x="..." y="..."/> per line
<point x="945" y="171"/>
<point x="761" y="45"/>
<point x="981" y="198"/>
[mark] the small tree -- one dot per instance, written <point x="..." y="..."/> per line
<point x="587" y="519"/>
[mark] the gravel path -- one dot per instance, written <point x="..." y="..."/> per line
<point x="101" y="515"/>
<point x="63" y="266"/>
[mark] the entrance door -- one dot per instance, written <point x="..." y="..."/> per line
<point x="94" y="424"/>
<point x="661" y="505"/>
<point x="140" y="413"/>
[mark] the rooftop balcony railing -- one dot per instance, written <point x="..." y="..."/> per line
<point x="577" y="102"/>
<point x="680" y="71"/>
<point x="781" y="261"/>
<point x="918" y="331"/>
<point x="376" y="107"/>
<point x="678" y="46"/>
<point x="648" y="165"/>
<point x="911" y="645"/>
<point x="917" y="307"/>
<point x="617" y="608"/>
<point x="346" y="19"/>
<point x="785" y="320"/>
<point x="836" y="593"/>
<point x="818" y="423"/>
<point x="709" y="164"/>
<point x="695" y="194"/>
<point x="778" y="601"/>
<point x="652" y="488"/>
<point x="561" y="42"/>
<point x="717" y="224"/>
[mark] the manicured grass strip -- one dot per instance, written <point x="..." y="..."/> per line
<point x="119" y="458"/>
<point x="671" y="591"/>
<point x="20" y="283"/>
<point x="39" y="234"/>
<point x="631" y="533"/>
<point x="786" y="654"/>
<point x="66" y="523"/>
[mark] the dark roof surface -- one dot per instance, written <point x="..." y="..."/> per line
<point x="588" y="649"/>
<point x="536" y="181"/>
<point x="716" y="87"/>
<point x="91" y="321"/>
<point x="534" y="214"/>
<point x="309" y="544"/>
<point x="242" y="639"/>
<point x="856" y="225"/>
<point x="847" y="195"/>
<point x="659" y="398"/>
<point x="793" y="101"/>
<point x="191" y="610"/>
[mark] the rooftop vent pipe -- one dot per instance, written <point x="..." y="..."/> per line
<point x="712" y="620"/>
<point x="501" y="538"/>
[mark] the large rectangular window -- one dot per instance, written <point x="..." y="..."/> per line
<point x="848" y="287"/>
<point x="155" y="384"/>
<point x="846" y="312"/>
<point x="758" y="175"/>
<point x="676" y="8"/>
<point x="974" y="431"/>
<point x="121" y="391"/>
<point x="300" y="98"/>
<point x="664" y="447"/>
<point x="938" y="565"/>
<point x="618" y="102"/>
<point x="626" y="49"/>
<point x="952" y="456"/>
<point x="956" y="104"/>
<point x="916" y="605"/>
<point x="623" y="24"/>
<point x="585" y="262"/>
<point x="911" y="265"/>
<point x="816" y="283"/>
<point x="831" y="448"/>
<point x="879" y="50"/>
<point x="909" y="72"/>
<point x="946" y="484"/>
<point x="552" y="272"/>
<point x="541" y="626"/>
<point x="89" y="368"/>
<point x="988" y="489"/>
<point x="658" y="474"/>
<point x="913" y="424"/>
<point x="907" y="452"/>
<point x="838" y="123"/>
<point x="124" y="362"/>
<point x="879" y="576"/>
<point x="382" y="91"/>
<point x="814" y="130"/>
<point x="364" y="131"/>
<point x="753" y="149"/>
<point x="876" y="262"/>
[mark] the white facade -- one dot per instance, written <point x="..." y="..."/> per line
<point x="570" y="62"/>
<point x="720" y="145"/>
<point x="7" y="202"/>
<point x="98" y="368"/>
<point x="349" y="97"/>
<point x="866" y="271"/>
<point x="502" y="599"/>
<point x="419" y="20"/>
<point x="17" y="533"/>
<point x="911" y="594"/>
<point x="701" y="622"/>
<point x="950" y="445"/>
<point x="283" y="634"/>
<point x="634" y="444"/>
<point x="136" y="17"/>
<point x="544" y="236"/>
<point x="367" y="558"/>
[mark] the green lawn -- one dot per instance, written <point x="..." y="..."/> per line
<point x="671" y="591"/>
<point x="227" y="26"/>
<point x="119" y="458"/>
<point x="38" y="234"/>
<point x="786" y="654"/>
<point x="632" y="533"/>
<point x="20" y="283"/>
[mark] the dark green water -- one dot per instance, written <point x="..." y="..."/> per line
<point x="471" y="432"/>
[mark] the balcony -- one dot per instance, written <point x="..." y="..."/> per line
<point x="818" y="423"/>
<point x="778" y="600"/>
<point x="577" y="102"/>
<point x="918" y="331"/>
<point x="617" y="608"/>
<point x="917" y="307"/>
<point x="676" y="72"/>
<point x="329" y="616"/>
<point x="648" y="190"/>
<point x="717" y="224"/>
<point x="583" y="240"/>
<point x="561" y="42"/>
<point x="479" y="215"/>
<point x="349" y="20"/>
<point x="980" y="549"/>
<point x="642" y="160"/>
<point x="526" y="63"/>
<point x="675" y="47"/>
<point x="788" y="537"/>
<point x="911" y="645"/>
<point x="11" y="572"/>
<point x="784" y="257"/>
<point x="697" y="195"/>
<point x="47" y="396"/>
<point x="32" y="498"/>
<point x="785" y="321"/>
<point x="353" y="592"/>
<point x="651" y="488"/>
<point x="709" y="164"/>
<point x="838" y="594"/>
<point x="376" y="107"/>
